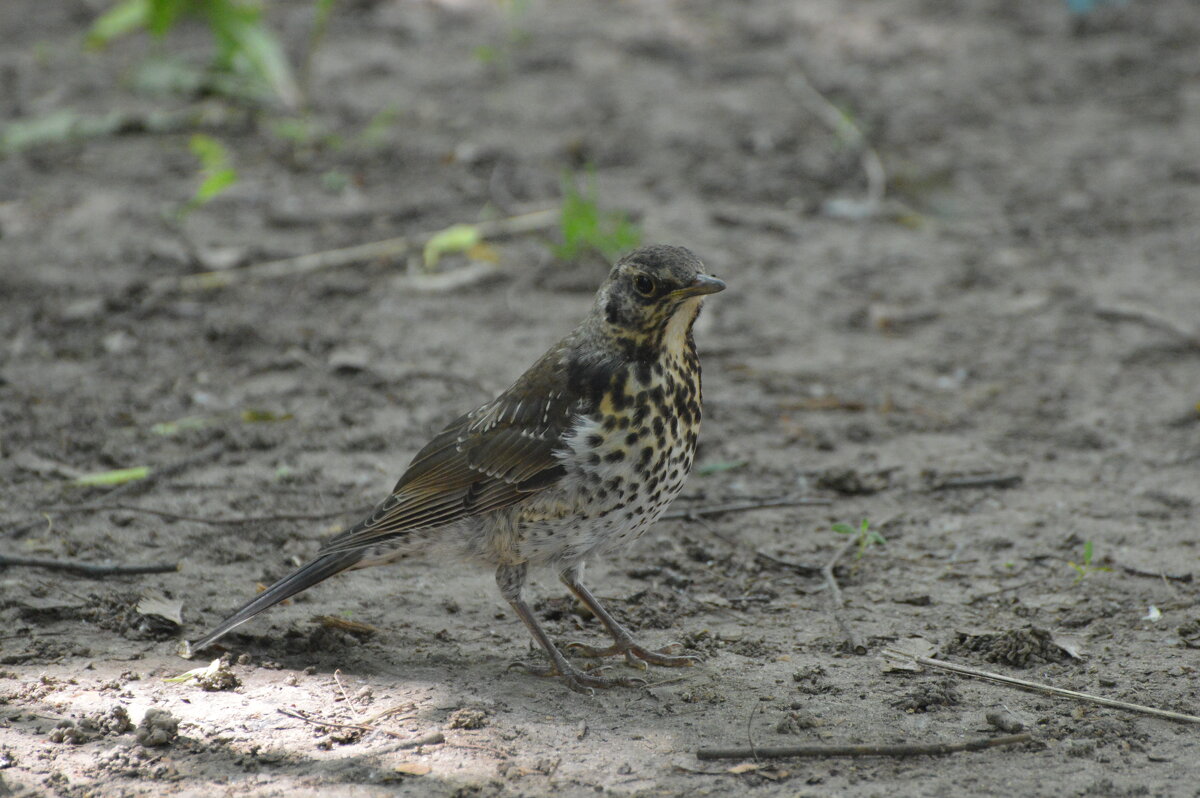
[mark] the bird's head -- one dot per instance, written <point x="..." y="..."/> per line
<point x="653" y="295"/>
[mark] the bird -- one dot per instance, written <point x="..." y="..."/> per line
<point x="577" y="457"/>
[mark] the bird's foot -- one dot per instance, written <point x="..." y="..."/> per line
<point x="577" y="680"/>
<point x="637" y="656"/>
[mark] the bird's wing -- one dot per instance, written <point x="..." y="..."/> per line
<point x="487" y="459"/>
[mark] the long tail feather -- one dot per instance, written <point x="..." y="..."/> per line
<point x="302" y="578"/>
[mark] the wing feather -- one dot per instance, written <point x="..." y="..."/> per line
<point x="486" y="460"/>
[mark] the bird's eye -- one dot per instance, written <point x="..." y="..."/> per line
<point x="643" y="285"/>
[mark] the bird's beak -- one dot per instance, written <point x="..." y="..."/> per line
<point x="703" y="284"/>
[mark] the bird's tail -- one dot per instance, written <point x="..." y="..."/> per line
<point x="302" y="578"/>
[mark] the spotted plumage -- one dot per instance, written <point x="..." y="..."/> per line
<point x="581" y="454"/>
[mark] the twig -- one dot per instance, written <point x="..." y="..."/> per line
<point x="1156" y="574"/>
<point x="389" y="712"/>
<point x="430" y="738"/>
<point x="363" y="727"/>
<point x="693" y="513"/>
<point x="337" y="677"/>
<point x="901" y="749"/>
<point x="87" y="569"/>
<point x="850" y="135"/>
<point x="980" y="481"/>
<point x="804" y="569"/>
<point x="1150" y="319"/>
<point x="836" y="603"/>
<point x="328" y="259"/>
<point x="233" y="520"/>
<point x="981" y="596"/>
<point x="750" y="732"/>
<point x="1044" y="688"/>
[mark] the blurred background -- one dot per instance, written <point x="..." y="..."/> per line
<point x="252" y="256"/>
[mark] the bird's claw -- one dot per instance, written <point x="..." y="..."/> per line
<point x="577" y="680"/>
<point x="636" y="656"/>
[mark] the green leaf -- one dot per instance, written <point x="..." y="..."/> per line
<point x="456" y="238"/>
<point x="214" y="184"/>
<point x="844" y="529"/>
<point x="118" y="477"/>
<point x="216" y="173"/>
<point x="322" y="11"/>
<point x="163" y="15"/>
<point x="119" y="20"/>
<point x="376" y="132"/>
<point x="583" y="226"/>
<point x="170" y="428"/>
<point x="241" y="35"/>
<point x="212" y="153"/>
<point x="1087" y="553"/>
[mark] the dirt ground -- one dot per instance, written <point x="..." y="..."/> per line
<point x="998" y="368"/>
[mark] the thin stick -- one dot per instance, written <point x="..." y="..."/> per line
<point x="85" y="568"/>
<point x="901" y="749"/>
<point x="1156" y="574"/>
<point x="332" y="258"/>
<point x="803" y="569"/>
<point x="1045" y="688"/>
<point x="836" y="603"/>
<point x="429" y="738"/>
<point x="337" y="677"/>
<point x="331" y="725"/>
<point x="992" y="593"/>
<point x="389" y="712"/>
<point x="1150" y="319"/>
<point x="980" y="481"/>
<point x="693" y="513"/>
<point x="750" y="732"/>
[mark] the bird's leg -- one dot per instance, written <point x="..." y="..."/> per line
<point x="623" y="642"/>
<point x="511" y="579"/>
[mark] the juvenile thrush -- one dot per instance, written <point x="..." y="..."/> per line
<point x="580" y="455"/>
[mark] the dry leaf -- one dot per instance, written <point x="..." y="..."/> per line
<point x="900" y="654"/>
<point x="745" y="767"/>
<point x="1072" y="646"/>
<point x="413" y="768"/>
<point x="161" y="607"/>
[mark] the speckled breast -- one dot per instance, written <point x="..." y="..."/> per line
<point x="633" y="455"/>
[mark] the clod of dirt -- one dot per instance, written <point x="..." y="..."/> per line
<point x="796" y="722"/>
<point x="157" y="728"/>
<point x="217" y="679"/>
<point x="67" y="732"/>
<point x="1016" y="647"/>
<point x="703" y="694"/>
<point x="852" y="482"/>
<point x="811" y="680"/>
<point x="929" y="696"/>
<point x="1005" y="721"/>
<point x="118" y="612"/>
<point x="1189" y="633"/>
<point x="102" y="724"/>
<point x="467" y="718"/>
<point x="318" y="639"/>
